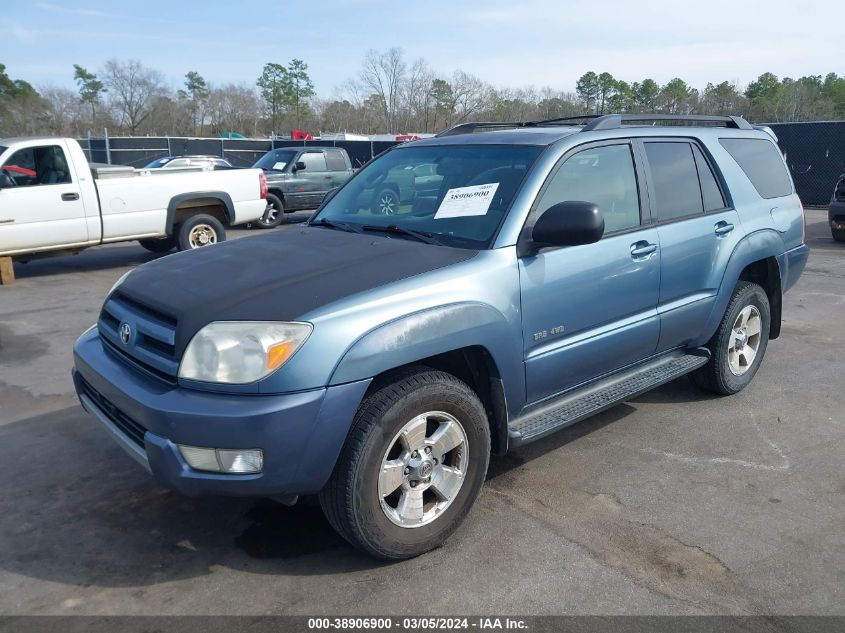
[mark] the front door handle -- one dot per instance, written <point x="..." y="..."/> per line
<point x="70" y="197"/>
<point x="641" y="250"/>
<point x="723" y="228"/>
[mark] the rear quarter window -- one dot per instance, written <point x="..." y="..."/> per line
<point x="762" y="163"/>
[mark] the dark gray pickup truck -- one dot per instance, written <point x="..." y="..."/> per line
<point x="299" y="178"/>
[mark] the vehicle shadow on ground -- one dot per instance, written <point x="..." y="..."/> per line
<point x="93" y="259"/>
<point x="78" y="511"/>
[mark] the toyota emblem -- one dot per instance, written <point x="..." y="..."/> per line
<point x="125" y="333"/>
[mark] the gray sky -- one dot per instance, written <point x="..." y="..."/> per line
<point x="515" y="44"/>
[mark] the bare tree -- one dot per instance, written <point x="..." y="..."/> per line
<point x="133" y="88"/>
<point x="383" y="75"/>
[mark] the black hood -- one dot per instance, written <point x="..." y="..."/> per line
<point x="277" y="277"/>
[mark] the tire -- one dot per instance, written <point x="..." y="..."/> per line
<point x="161" y="245"/>
<point x="273" y="215"/>
<point x="838" y="234"/>
<point x="386" y="202"/>
<point x="354" y="500"/>
<point x="737" y="348"/>
<point x="199" y="231"/>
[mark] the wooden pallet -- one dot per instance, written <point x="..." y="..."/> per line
<point x="7" y="271"/>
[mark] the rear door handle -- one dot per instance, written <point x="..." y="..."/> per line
<point x="641" y="250"/>
<point x="70" y="197"/>
<point x="723" y="228"/>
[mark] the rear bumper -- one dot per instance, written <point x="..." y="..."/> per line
<point x="301" y="434"/>
<point x="792" y="264"/>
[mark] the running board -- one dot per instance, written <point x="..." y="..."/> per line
<point x="603" y="394"/>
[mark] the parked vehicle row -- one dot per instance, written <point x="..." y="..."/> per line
<point x="542" y="273"/>
<point x="52" y="200"/>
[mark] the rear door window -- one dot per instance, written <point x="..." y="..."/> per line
<point x="711" y="194"/>
<point x="762" y="163"/>
<point x="335" y="160"/>
<point x="674" y="179"/>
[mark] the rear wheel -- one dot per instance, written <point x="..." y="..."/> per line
<point x="198" y="231"/>
<point x="387" y="202"/>
<point x="739" y="344"/>
<point x="412" y="466"/>
<point x="838" y="234"/>
<point x="159" y="245"/>
<point x="273" y="215"/>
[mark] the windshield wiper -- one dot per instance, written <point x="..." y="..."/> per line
<point x="421" y="236"/>
<point x="343" y="226"/>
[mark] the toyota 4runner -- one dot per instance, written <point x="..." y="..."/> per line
<point x="378" y="360"/>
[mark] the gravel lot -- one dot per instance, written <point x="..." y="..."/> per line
<point x="677" y="502"/>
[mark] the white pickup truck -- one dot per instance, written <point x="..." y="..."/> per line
<point x="52" y="201"/>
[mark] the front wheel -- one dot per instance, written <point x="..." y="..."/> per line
<point x="838" y="234"/>
<point x="200" y="230"/>
<point x="412" y="466"/>
<point x="273" y="214"/>
<point x="738" y="346"/>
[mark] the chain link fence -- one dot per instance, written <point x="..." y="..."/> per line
<point x="815" y="152"/>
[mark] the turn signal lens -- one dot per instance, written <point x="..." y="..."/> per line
<point x="278" y="354"/>
<point x="224" y="460"/>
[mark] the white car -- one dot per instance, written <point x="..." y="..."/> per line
<point x="52" y="200"/>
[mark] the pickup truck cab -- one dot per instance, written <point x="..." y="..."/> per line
<point x="379" y="360"/>
<point x="299" y="178"/>
<point x="53" y="201"/>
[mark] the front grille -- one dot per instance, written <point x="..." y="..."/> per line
<point x="130" y="427"/>
<point x="153" y="335"/>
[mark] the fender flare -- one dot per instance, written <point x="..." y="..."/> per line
<point x="175" y="201"/>
<point x="760" y="245"/>
<point x="434" y="331"/>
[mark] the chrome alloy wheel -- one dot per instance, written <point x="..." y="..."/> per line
<point x="202" y="235"/>
<point x="270" y="214"/>
<point x="423" y="469"/>
<point x="387" y="204"/>
<point x="745" y="340"/>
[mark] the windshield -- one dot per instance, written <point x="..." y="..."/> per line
<point x="455" y="194"/>
<point x="161" y="162"/>
<point x="275" y="160"/>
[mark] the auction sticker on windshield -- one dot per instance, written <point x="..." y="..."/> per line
<point x="466" y="201"/>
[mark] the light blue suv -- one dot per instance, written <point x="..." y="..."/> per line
<point x="548" y="271"/>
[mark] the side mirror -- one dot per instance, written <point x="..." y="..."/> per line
<point x="298" y="165"/>
<point x="6" y="180"/>
<point x="569" y="223"/>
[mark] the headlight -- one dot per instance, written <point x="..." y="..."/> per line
<point x="240" y="352"/>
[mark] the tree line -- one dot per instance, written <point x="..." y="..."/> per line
<point x="389" y="94"/>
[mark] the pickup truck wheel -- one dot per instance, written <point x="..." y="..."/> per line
<point x="200" y="230"/>
<point x="387" y="202"/>
<point x="412" y="466"/>
<point x="739" y="344"/>
<point x="273" y="215"/>
<point x="159" y="245"/>
<point x="838" y="234"/>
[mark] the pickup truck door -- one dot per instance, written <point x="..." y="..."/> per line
<point x="314" y="181"/>
<point x="338" y="167"/>
<point x="697" y="235"/>
<point x="591" y="309"/>
<point x="44" y="207"/>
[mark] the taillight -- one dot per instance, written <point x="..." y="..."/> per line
<point x="262" y="185"/>
<point x="803" y="221"/>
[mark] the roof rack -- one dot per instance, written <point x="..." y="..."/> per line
<point x="602" y="122"/>
<point x="614" y="121"/>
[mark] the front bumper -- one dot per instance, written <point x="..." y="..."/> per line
<point x="301" y="434"/>
<point x="836" y="215"/>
